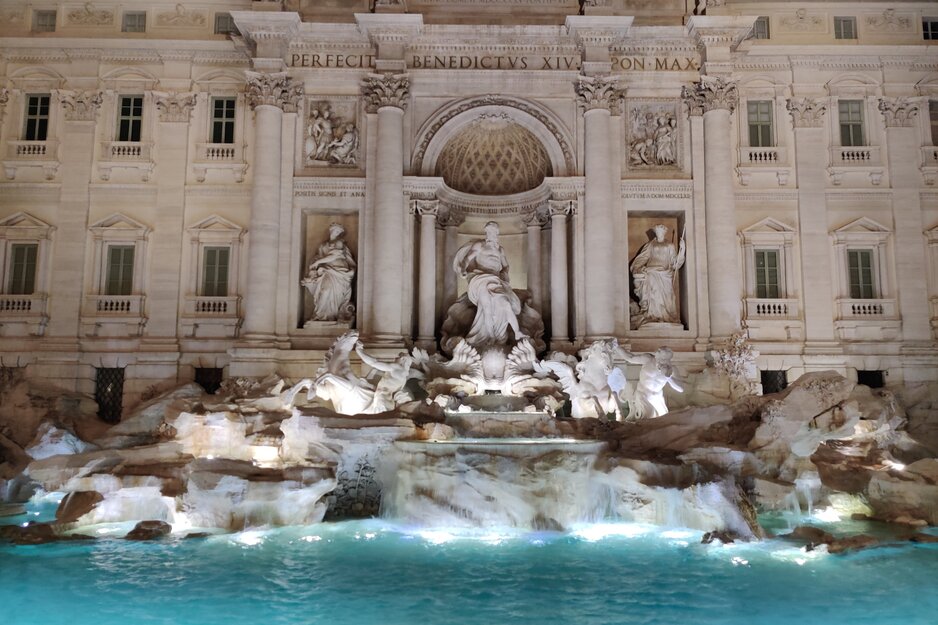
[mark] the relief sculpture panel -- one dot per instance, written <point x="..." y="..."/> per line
<point x="652" y="135"/>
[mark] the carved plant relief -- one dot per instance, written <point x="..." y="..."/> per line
<point x="332" y="136"/>
<point x="88" y="15"/>
<point x="181" y="16"/>
<point x="802" y="22"/>
<point x="652" y="135"/>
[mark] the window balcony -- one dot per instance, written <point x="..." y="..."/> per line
<point x="118" y="316"/>
<point x="211" y="317"/>
<point x="759" y="308"/>
<point x="774" y="319"/>
<point x="930" y="164"/>
<point x="22" y="154"/>
<point x="764" y="164"/>
<point x="126" y="155"/>
<point x="863" y="160"/>
<point x="763" y="157"/>
<point x="23" y="315"/>
<point x="114" y="304"/>
<point x="867" y="308"/>
<point x="219" y="157"/>
<point x="867" y="319"/>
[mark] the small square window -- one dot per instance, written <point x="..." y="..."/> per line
<point x="845" y="28"/>
<point x="225" y="24"/>
<point x="930" y="28"/>
<point x="44" y="21"/>
<point x="760" y="30"/>
<point x="134" y="22"/>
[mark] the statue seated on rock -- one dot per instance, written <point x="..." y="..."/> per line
<point x="490" y="313"/>
<point x="329" y="279"/>
<point x="654" y="271"/>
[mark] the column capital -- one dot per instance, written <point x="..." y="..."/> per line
<point x="380" y="90"/>
<point x="537" y="217"/>
<point x="561" y="208"/>
<point x="4" y="96"/>
<point x="898" y="112"/>
<point x="449" y="217"/>
<point x="274" y="89"/>
<point x="425" y="208"/>
<point x="80" y="106"/>
<point x="710" y="94"/>
<point x="175" y="107"/>
<point x="806" y="112"/>
<point x="598" y="92"/>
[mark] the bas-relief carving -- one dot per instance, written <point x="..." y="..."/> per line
<point x="80" y="106"/>
<point x="88" y="15"/>
<point x="652" y="136"/>
<point x="331" y="139"/>
<point x="654" y="274"/>
<point x="329" y="279"/>
<point x="181" y="16"/>
<point x="11" y="17"/>
<point x="803" y="22"/>
<point x="898" y="112"/>
<point x="175" y="107"/>
<point x="806" y="113"/>
<point x="889" y="22"/>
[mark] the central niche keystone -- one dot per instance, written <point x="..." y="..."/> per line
<point x="494" y="155"/>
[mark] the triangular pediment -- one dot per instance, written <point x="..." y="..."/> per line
<point x="216" y="223"/>
<point x="769" y="225"/>
<point x="24" y="220"/>
<point x="117" y="221"/>
<point x="863" y="225"/>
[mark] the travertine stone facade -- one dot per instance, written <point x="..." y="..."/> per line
<point x="169" y="171"/>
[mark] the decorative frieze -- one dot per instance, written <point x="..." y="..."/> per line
<point x="380" y="90"/>
<point x="652" y="135"/>
<point x="181" y="17"/>
<point x="80" y="106"/>
<point x="803" y="22"/>
<point x="598" y="92"/>
<point x="710" y="94"/>
<point x="88" y="15"/>
<point x="175" y="107"/>
<point x="889" y="22"/>
<point x="806" y="112"/>
<point x="332" y="135"/>
<point x="898" y="112"/>
<point x="276" y="89"/>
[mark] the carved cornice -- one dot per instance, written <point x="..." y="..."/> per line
<point x="598" y="31"/>
<point x="710" y="94"/>
<point x="175" y="107"/>
<point x="598" y="92"/>
<point x="898" y="112"/>
<point x="80" y="106"/>
<point x="806" y="113"/>
<point x="380" y="90"/>
<point x="275" y="89"/>
<point x="718" y="31"/>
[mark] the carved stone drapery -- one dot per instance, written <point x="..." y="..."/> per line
<point x="806" y="113"/>
<point x="175" y="107"/>
<point x="276" y="89"/>
<point x="80" y="106"/>
<point x="709" y="94"/>
<point x="898" y="112"/>
<point x="598" y="92"/>
<point x="381" y="90"/>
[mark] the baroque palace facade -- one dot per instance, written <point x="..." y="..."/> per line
<point x="172" y="174"/>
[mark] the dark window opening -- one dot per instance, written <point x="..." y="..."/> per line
<point x="109" y="393"/>
<point x="209" y="378"/>
<point x="773" y="381"/>
<point x="37" y="118"/>
<point x="871" y="378"/>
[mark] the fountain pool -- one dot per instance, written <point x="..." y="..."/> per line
<point x="379" y="572"/>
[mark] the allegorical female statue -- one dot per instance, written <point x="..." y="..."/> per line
<point x="329" y="278"/>
<point x="653" y="271"/>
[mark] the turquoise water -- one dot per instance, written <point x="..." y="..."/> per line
<point x="377" y="572"/>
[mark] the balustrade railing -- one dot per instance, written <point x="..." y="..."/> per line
<point x="759" y="308"/>
<point x="33" y="304"/>
<point x="759" y="157"/>
<point x="855" y="156"/>
<point x="126" y="151"/>
<point x="867" y="308"/>
<point x="32" y="150"/>
<point x="115" y="304"/>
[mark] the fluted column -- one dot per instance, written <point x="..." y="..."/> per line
<point x="534" y="221"/>
<point x="716" y="99"/>
<point x="559" y="307"/>
<point x="449" y="220"/>
<point x="598" y="95"/>
<point x="387" y="95"/>
<point x="902" y="141"/>
<point x="427" y="211"/>
<point x="811" y="167"/>
<point x="268" y="95"/>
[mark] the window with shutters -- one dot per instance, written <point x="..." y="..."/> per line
<point x="225" y="24"/>
<point x="760" y="29"/>
<point x="850" y="118"/>
<point x="44" y="21"/>
<point x="24" y="258"/>
<point x="845" y="27"/>
<point x="767" y="274"/>
<point x="759" y="117"/>
<point x="120" y="270"/>
<point x="933" y="121"/>
<point x="860" y="274"/>
<point x="134" y="22"/>
<point x="215" y="271"/>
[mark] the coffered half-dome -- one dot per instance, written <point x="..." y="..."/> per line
<point x="494" y="155"/>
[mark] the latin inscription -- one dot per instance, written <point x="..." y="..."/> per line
<point x="319" y="60"/>
<point x="654" y="64"/>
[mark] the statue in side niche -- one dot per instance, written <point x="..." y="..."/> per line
<point x="654" y="271"/>
<point x="329" y="278"/>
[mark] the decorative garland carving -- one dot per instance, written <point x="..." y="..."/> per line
<point x="80" y="106"/>
<point x="710" y="94"/>
<point x="899" y="112"/>
<point x="806" y="113"/>
<point x="275" y="89"/>
<point x="175" y="107"/>
<point x="493" y="100"/>
<point x="385" y="90"/>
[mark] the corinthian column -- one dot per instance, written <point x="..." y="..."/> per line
<point x="426" y="294"/>
<point x="268" y="95"/>
<point x="534" y="221"/>
<point x="902" y="141"/>
<point x="715" y="99"/>
<point x="560" y="324"/>
<point x="807" y="117"/>
<point x="449" y="220"/>
<point x="387" y="95"/>
<point x="598" y="96"/>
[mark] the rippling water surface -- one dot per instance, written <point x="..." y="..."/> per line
<point x="377" y="572"/>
